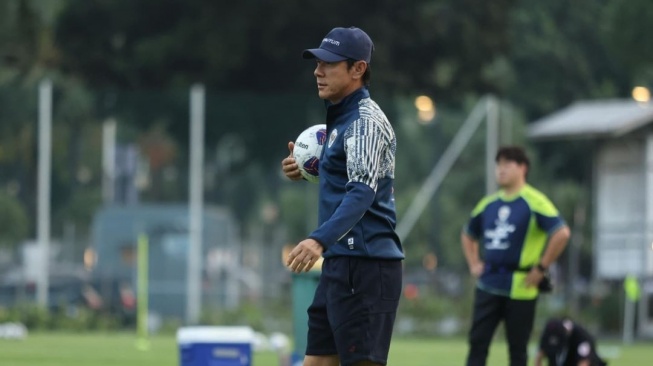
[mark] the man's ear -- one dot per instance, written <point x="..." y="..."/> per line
<point x="359" y="68"/>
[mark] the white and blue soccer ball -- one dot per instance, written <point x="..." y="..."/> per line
<point x="308" y="149"/>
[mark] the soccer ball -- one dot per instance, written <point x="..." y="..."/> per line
<point x="307" y="151"/>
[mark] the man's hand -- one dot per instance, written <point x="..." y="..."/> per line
<point x="534" y="277"/>
<point x="304" y="255"/>
<point x="289" y="165"/>
<point x="539" y="358"/>
<point x="470" y="250"/>
<point x="476" y="269"/>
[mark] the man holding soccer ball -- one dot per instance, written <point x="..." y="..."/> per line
<point x="351" y="318"/>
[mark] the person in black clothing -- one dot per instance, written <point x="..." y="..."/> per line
<point x="566" y="343"/>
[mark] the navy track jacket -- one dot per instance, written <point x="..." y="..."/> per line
<point x="356" y="215"/>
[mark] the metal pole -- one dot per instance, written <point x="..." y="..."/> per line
<point x="196" y="190"/>
<point x="43" y="204"/>
<point x="108" y="159"/>
<point x="433" y="181"/>
<point x="142" y="275"/>
<point x="629" y="319"/>
<point x="506" y="130"/>
<point x="575" y="246"/>
<point x="233" y="270"/>
<point x="492" y="143"/>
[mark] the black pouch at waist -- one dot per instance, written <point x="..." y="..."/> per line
<point x="545" y="286"/>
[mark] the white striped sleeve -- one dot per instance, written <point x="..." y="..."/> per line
<point x="366" y="146"/>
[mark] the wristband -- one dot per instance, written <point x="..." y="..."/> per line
<point x="541" y="268"/>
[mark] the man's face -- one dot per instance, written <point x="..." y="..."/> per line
<point x="509" y="173"/>
<point x="335" y="80"/>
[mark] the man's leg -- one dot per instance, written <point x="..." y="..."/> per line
<point x="519" y="318"/>
<point x="331" y="360"/>
<point x="320" y="345"/>
<point x="362" y="308"/>
<point x="488" y="310"/>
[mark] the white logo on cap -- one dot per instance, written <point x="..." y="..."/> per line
<point x="332" y="41"/>
<point x="584" y="349"/>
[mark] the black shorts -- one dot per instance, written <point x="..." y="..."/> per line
<point x="354" y="309"/>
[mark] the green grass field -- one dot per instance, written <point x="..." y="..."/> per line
<point x="57" y="349"/>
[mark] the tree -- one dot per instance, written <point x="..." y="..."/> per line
<point x="558" y="55"/>
<point x="14" y="225"/>
<point x="239" y="51"/>
<point x="238" y="46"/>
<point x="626" y="32"/>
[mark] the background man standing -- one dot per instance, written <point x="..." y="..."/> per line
<point x="351" y="319"/>
<point x="503" y="244"/>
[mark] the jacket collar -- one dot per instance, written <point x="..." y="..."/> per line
<point x="348" y="102"/>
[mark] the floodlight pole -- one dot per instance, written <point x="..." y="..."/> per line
<point x="108" y="160"/>
<point x="44" y="174"/>
<point x="491" y="142"/>
<point x="196" y="191"/>
<point x="142" y="306"/>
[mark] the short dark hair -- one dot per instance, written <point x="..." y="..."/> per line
<point x="513" y="153"/>
<point x="367" y="76"/>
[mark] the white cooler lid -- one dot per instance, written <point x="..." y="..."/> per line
<point x="212" y="334"/>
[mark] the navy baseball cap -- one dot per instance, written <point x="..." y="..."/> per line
<point x="342" y="44"/>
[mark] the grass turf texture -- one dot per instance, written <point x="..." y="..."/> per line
<point x="59" y="349"/>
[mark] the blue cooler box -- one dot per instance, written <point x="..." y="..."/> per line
<point x="296" y="359"/>
<point x="215" y="346"/>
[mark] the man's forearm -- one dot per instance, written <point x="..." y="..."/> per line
<point x="556" y="246"/>
<point x="470" y="249"/>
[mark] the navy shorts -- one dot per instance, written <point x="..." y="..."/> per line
<point x="354" y="309"/>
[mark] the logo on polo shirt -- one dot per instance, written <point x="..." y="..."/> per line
<point x="497" y="237"/>
<point x="332" y="41"/>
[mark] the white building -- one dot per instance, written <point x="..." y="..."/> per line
<point x="622" y="160"/>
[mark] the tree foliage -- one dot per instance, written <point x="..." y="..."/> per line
<point x="239" y="46"/>
<point x="559" y="55"/>
<point x="134" y="61"/>
<point x="14" y="225"/>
